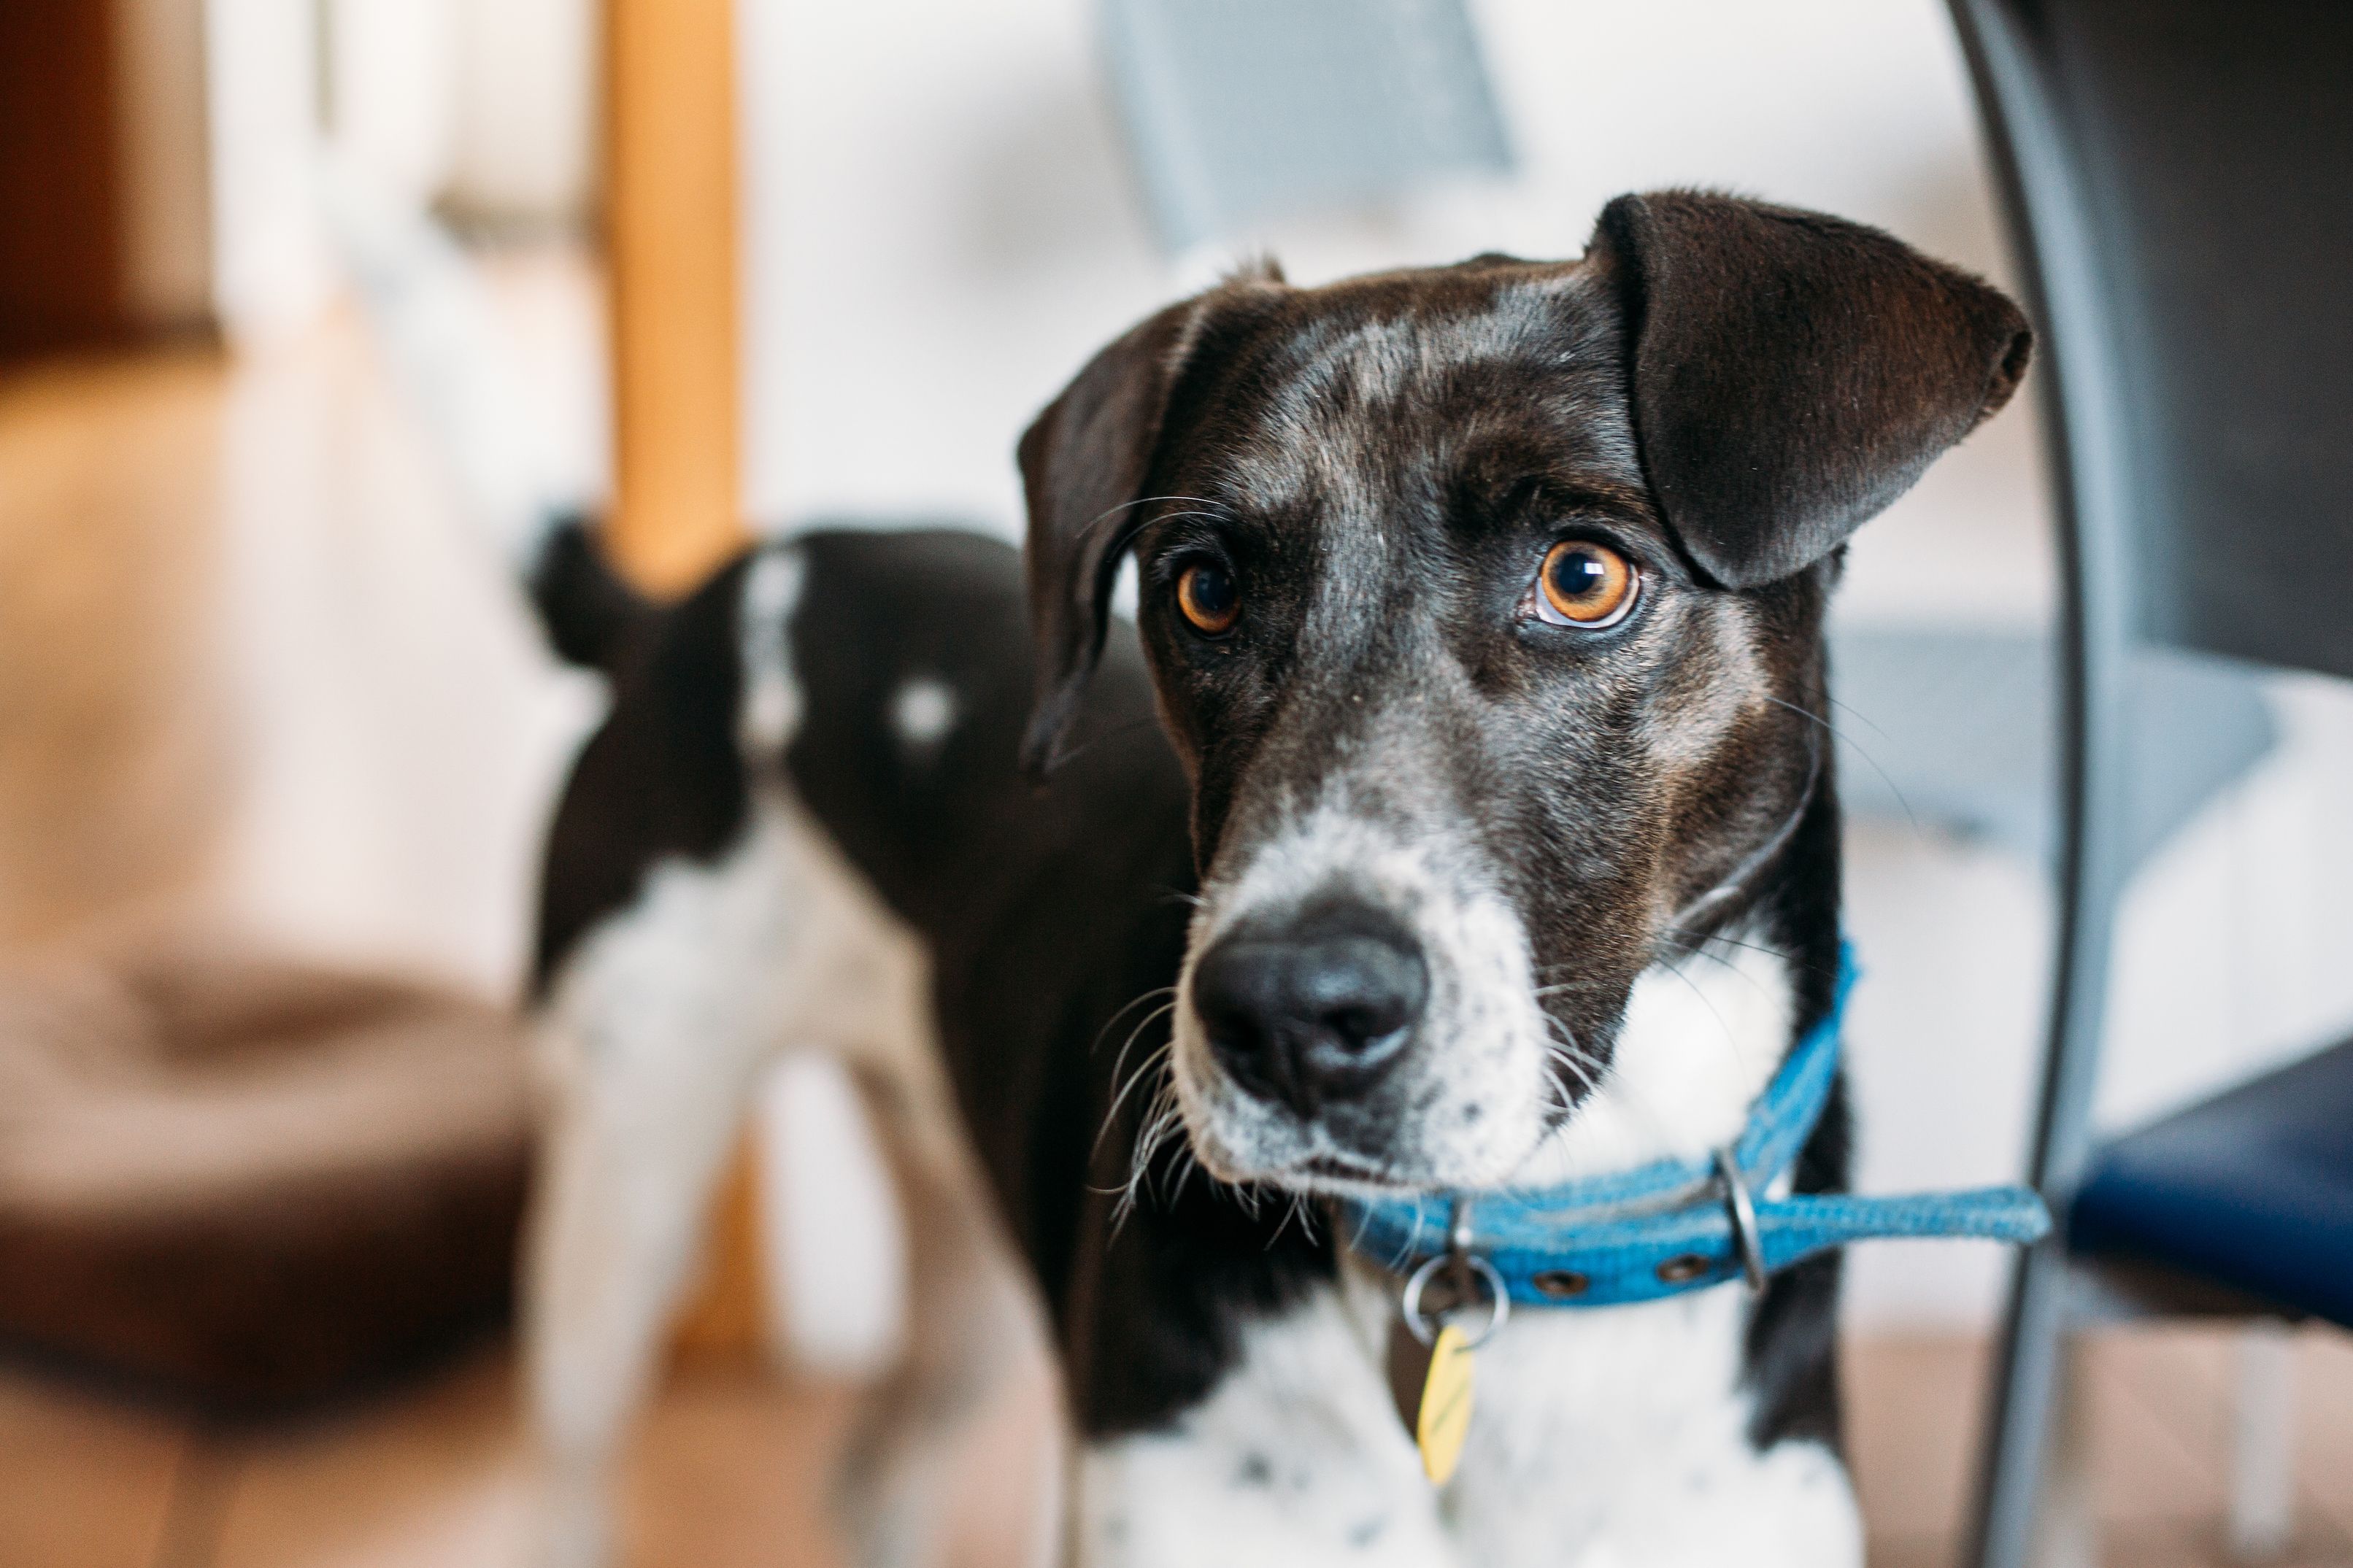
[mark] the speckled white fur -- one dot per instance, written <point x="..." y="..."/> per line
<point x="1701" y="1039"/>
<point x="1482" y="1041"/>
<point x="1296" y="1459"/>
<point x="1619" y="1435"/>
<point x="1605" y="1438"/>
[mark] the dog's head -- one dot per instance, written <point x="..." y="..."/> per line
<point x="1485" y="607"/>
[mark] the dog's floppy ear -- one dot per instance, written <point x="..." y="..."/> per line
<point x="1083" y="463"/>
<point x="1792" y="373"/>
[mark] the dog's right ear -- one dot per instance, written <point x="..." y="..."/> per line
<point x="1084" y="464"/>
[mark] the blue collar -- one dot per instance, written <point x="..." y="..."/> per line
<point x="1674" y="1226"/>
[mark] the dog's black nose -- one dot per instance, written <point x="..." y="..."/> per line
<point x="1311" y="1010"/>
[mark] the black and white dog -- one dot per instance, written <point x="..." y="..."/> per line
<point x="1460" y="819"/>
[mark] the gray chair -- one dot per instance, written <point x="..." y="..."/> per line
<point x="1244" y="112"/>
<point x="1952" y="728"/>
<point x="2174" y="176"/>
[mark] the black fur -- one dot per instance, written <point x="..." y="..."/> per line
<point x="1792" y="1344"/>
<point x="590" y="616"/>
<point x="663" y="777"/>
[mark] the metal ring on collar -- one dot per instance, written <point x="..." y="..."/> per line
<point x="1499" y="1298"/>
<point x="1745" y="1239"/>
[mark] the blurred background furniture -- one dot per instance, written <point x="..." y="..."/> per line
<point x="247" y="1184"/>
<point x="1953" y="728"/>
<point x="2173" y="173"/>
<point x="1244" y="112"/>
<point x="102" y="176"/>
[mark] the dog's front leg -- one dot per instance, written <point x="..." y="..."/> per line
<point x="1297" y="1458"/>
<point x="971" y="1320"/>
<point x="648" y="1097"/>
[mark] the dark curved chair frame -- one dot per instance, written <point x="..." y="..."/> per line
<point x="2164" y="168"/>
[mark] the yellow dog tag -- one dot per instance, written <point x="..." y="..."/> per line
<point x="1444" y="1418"/>
<point x="1433" y="1386"/>
<point x="1432" y="1378"/>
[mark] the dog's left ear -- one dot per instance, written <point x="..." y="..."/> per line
<point x="1793" y="373"/>
<point x="1085" y="462"/>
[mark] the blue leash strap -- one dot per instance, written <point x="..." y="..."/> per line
<point x="1674" y="1226"/>
<point x="1625" y="1260"/>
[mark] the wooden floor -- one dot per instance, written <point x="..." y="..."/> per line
<point x="729" y="1471"/>
<point x="2161" y="1424"/>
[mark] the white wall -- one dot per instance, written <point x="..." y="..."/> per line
<point x="524" y="108"/>
<point x="271" y="272"/>
<point x="486" y="103"/>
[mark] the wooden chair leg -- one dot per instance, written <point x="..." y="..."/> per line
<point x="671" y="232"/>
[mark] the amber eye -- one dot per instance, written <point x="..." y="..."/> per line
<point x="1207" y="594"/>
<point x="1582" y="583"/>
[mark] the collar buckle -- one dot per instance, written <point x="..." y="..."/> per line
<point x="1746" y="1242"/>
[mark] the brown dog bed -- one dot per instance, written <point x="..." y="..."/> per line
<point x="247" y="1183"/>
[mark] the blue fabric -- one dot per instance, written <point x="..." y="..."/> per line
<point x="1667" y="1227"/>
<point x="2253" y="1189"/>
